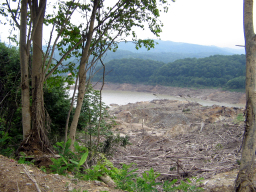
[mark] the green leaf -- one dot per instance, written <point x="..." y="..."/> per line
<point x="72" y="161"/>
<point x="64" y="160"/>
<point x="83" y="158"/>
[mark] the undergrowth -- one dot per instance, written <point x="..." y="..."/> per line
<point x="125" y="178"/>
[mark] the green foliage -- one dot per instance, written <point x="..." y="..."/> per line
<point x="124" y="178"/>
<point x="56" y="98"/>
<point x="92" y="126"/>
<point x="129" y="181"/>
<point x="147" y="182"/>
<point x="130" y="70"/>
<point x="10" y="109"/>
<point x="4" y="141"/>
<point x="236" y="83"/>
<point x="122" y="18"/>
<point x="23" y="159"/>
<point x="214" y="71"/>
<point x="103" y="167"/>
<point x="189" y="186"/>
<point x="57" y="104"/>
<point x="79" y="190"/>
<point x="69" y="161"/>
<point x="239" y="118"/>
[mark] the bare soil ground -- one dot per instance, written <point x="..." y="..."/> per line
<point x="16" y="177"/>
<point x="178" y="139"/>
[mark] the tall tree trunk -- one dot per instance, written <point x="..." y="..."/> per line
<point x="82" y="77"/>
<point x="37" y="76"/>
<point x="24" y="54"/>
<point x="80" y="98"/>
<point x="244" y="181"/>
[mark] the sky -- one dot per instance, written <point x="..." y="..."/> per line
<point x="205" y="22"/>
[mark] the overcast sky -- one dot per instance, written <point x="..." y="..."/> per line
<point x="205" y="22"/>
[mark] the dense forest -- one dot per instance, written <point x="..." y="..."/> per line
<point x="130" y="70"/>
<point x="214" y="71"/>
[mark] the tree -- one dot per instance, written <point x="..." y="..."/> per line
<point x="99" y="29"/>
<point x="244" y="180"/>
<point x="105" y="25"/>
<point x="29" y="17"/>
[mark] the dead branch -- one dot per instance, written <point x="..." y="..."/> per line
<point x="18" y="190"/>
<point x="106" y="179"/>
<point x="32" y="179"/>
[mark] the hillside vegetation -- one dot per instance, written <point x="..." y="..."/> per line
<point x="214" y="71"/>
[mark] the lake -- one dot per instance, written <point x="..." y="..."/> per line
<point x="125" y="97"/>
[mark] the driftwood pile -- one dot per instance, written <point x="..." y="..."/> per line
<point x="180" y="140"/>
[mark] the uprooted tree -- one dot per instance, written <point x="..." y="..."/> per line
<point x="244" y="181"/>
<point x="100" y="26"/>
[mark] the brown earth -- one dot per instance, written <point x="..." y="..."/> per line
<point x="178" y="139"/>
<point x="23" y="178"/>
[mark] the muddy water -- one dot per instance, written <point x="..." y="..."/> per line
<point x="125" y="97"/>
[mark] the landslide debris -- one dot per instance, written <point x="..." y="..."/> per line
<point x="181" y="139"/>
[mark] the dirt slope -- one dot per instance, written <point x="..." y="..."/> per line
<point x="23" y="178"/>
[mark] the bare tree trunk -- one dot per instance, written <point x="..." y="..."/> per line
<point x="244" y="181"/>
<point x="80" y="98"/>
<point x="82" y="78"/>
<point x="24" y="54"/>
<point x="37" y="70"/>
<point x="37" y="76"/>
<point x="68" y="117"/>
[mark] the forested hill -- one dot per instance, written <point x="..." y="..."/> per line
<point x="214" y="71"/>
<point x="130" y="70"/>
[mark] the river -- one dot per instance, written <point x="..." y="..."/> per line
<point x="125" y="97"/>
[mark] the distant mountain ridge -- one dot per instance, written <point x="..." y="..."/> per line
<point x="168" y="51"/>
<point x="178" y="47"/>
<point x="164" y="51"/>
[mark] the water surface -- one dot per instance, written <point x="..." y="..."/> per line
<point x="125" y="97"/>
